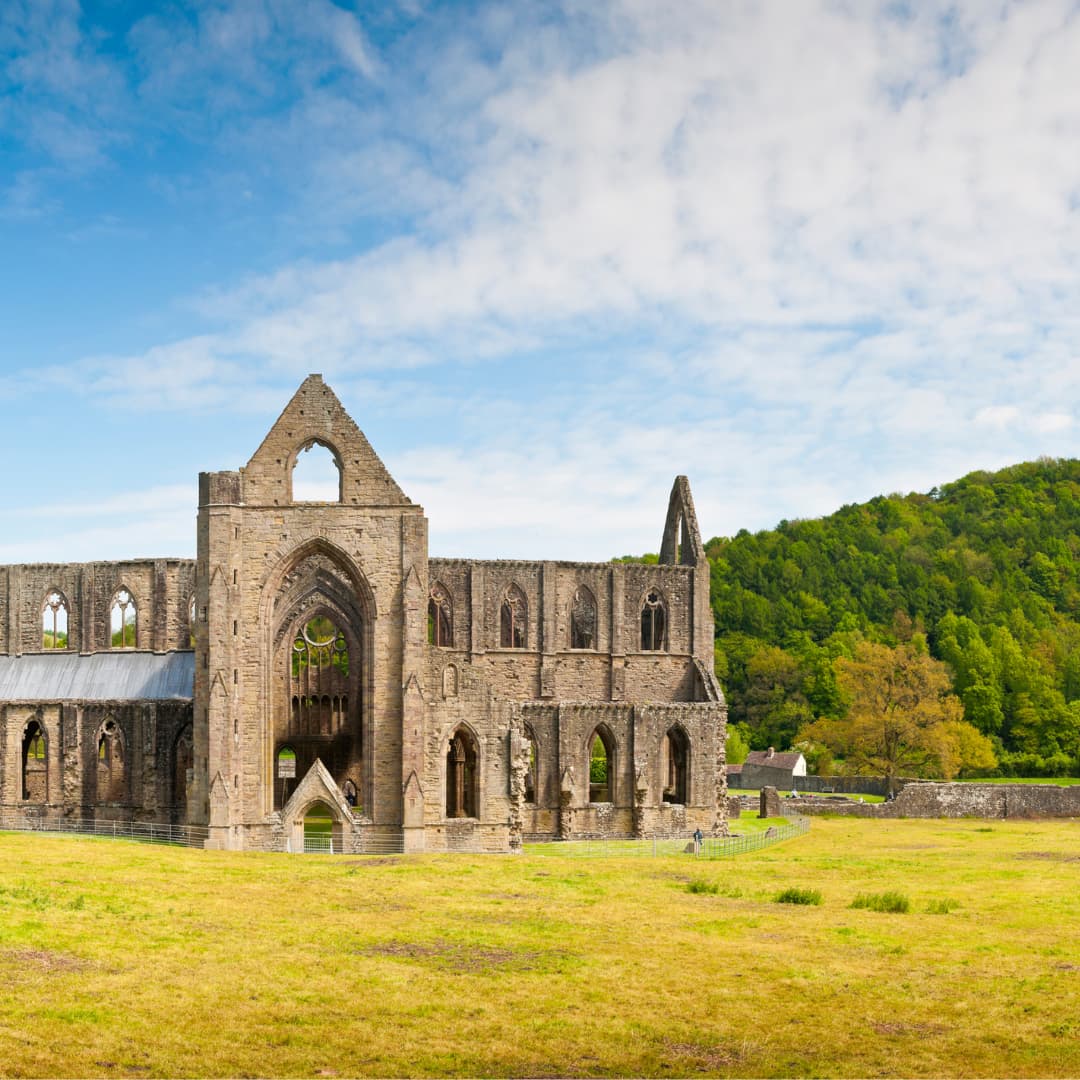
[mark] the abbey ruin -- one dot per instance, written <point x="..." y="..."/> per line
<point x="313" y="655"/>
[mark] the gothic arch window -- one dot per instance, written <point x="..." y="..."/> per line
<point x="318" y="679"/>
<point x="675" y="766"/>
<point x="462" y="775"/>
<point x="110" y="763"/>
<point x="54" y="621"/>
<point x="191" y="622"/>
<point x="123" y="620"/>
<point x="316" y="474"/>
<point x="583" y="619"/>
<point x="440" y="617"/>
<point x="653" y="622"/>
<point x="513" y="619"/>
<point x="34" y="764"/>
<point x="601" y="766"/>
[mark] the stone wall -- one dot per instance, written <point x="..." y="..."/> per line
<point x="929" y="800"/>
<point x="161" y="588"/>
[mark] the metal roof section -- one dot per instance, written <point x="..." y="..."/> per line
<point x="117" y="676"/>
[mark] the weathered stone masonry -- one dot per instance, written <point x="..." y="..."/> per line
<point x="457" y="704"/>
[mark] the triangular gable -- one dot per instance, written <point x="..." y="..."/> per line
<point x="317" y="786"/>
<point x="314" y="414"/>
<point x="682" y="537"/>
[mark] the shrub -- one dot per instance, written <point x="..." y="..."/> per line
<point x="941" y="907"/>
<point x="887" y="901"/>
<point x="700" y="885"/>
<point x="799" y="896"/>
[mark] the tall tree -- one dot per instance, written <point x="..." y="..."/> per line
<point x="902" y="718"/>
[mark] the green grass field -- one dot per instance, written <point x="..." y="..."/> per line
<point x="124" y="960"/>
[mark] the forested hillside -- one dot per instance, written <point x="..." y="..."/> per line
<point x="985" y="571"/>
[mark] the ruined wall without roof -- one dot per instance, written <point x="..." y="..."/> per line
<point x="162" y="590"/>
<point x="928" y="800"/>
<point x="147" y="788"/>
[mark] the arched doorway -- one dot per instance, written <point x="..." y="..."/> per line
<point x="322" y="830"/>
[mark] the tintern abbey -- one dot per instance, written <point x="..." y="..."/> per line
<point x="314" y="658"/>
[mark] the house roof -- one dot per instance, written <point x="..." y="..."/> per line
<point x="733" y="770"/>
<point x="110" y="676"/>
<point x="777" y="761"/>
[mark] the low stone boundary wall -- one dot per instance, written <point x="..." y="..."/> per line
<point x="929" y="800"/>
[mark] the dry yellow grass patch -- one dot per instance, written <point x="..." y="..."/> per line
<point x="123" y="960"/>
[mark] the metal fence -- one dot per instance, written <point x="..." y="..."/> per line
<point x="719" y="847"/>
<point x="144" y="831"/>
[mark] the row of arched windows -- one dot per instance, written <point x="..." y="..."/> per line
<point x="514" y="619"/>
<point x="123" y="620"/>
<point x="462" y="755"/>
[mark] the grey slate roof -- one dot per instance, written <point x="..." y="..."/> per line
<point x="111" y="676"/>
<point x="787" y="760"/>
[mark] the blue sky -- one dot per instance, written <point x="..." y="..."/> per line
<point x="549" y="255"/>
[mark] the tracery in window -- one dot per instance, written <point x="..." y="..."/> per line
<point x="461" y="775"/>
<point x="583" y="619"/>
<point x="440" y="614"/>
<point x="513" y="619"/>
<point x="123" y="620"/>
<point x="653" y="622"/>
<point x="54" y="621"/>
<point x="34" y="767"/>
<point x="319" y="679"/>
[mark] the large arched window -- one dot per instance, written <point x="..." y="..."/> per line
<point x="675" y="766"/>
<point x="319" y="679"/>
<point x="123" y="620"/>
<point x="601" y="766"/>
<point x="34" y="764"/>
<point x="653" y="622"/>
<point x="514" y="619"/>
<point x="110" y="763"/>
<point x="54" y="621"/>
<point x="462" y="797"/>
<point x="440" y="617"/>
<point x="316" y="475"/>
<point x="583" y="619"/>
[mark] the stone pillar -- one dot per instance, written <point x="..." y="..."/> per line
<point x="770" y="803"/>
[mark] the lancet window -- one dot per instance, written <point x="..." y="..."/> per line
<point x="54" y="621"/>
<point x="123" y="620"/>
<point x="513" y="619"/>
<point x="653" y="622"/>
<point x="440" y="614"/>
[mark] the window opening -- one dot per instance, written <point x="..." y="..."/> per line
<point x="191" y="623"/>
<point x="350" y="793"/>
<point x="110" y="763"/>
<point x="601" y="769"/>
<point x="675" y="766"/>
<point x="583" y="620"/>
<point x="54" y="622"/>
<point x="123" y="620"/>
<point x="513" y="619"/>
<point x="461" y="776"/>
<point x="531" y="774"/>
<point x="440" y="617"/>
<point x="34" y="765"/>
<point x="319" y="679"/>
<point x="653" y="622"/>
<point x="183" y="773"/>
<point x="316" y="475"/>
